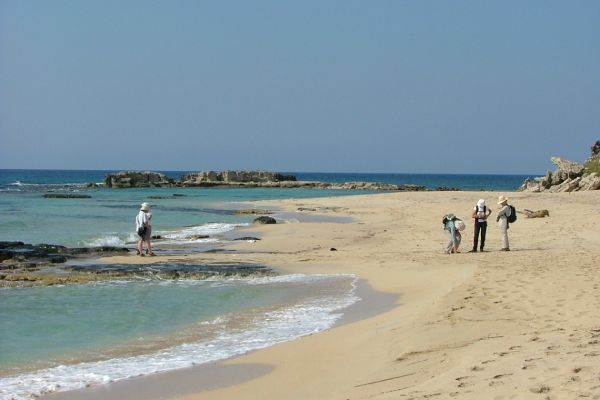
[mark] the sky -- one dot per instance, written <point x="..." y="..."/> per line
<point x="308" y="86"/>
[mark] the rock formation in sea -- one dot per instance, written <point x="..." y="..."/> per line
<point x="569" y="176"/>
<point x="266" y="179"/>
<point x="238" y="178"/>
<point x="131" y="179"/>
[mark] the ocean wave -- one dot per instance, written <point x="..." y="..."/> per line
<point x="111" y="240"/>
<point x="67" y="184"/>
<point x="272" y="327"/>
<point x="193" y="234"/>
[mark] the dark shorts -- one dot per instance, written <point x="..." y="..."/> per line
<point x="148" y="235"/>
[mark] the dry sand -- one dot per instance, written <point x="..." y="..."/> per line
<point x="523" y="324"/>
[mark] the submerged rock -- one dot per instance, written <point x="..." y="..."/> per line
<point x="19" y="254"/>
<point x="265" y="220"/>
<point x="175" y="270"/>
<point x="66" y="196"/>
<point x="252" y="211"/>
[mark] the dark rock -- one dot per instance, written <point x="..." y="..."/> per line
<point x="66" y="196"/>
<point x="197" y="237"/>
<point x="9" y="245"/>
<point x="56" y="259"/>
<point x="132" y="179"/>
<point x="596" y="149"/>
<point x="19" y="253"/>
<point x="333" y="249"/>
<point x="280" y="177"/>
<point x="247" y="238"/>
<point x="446" y="189"/>
<point x="265" y="220"/>
<point x="252" y="211"/>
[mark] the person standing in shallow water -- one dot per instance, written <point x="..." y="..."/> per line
<point x="480" y="215"/>
<point x="502" y="220"/>
<point x="143" y="221"/>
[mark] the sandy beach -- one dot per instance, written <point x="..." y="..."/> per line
<point x="522" y="324"/>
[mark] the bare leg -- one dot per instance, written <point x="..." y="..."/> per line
<point x="149" y="245"/>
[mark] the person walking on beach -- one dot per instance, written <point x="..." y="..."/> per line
<point x="144" y="229"/>
<point x="452" y="228"/>
<point x="502" y="219"/>
<point x="480" y="215"/>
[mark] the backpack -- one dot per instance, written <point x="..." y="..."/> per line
<point x="446" y="219"/>
<point x="477" y="211"/>
<point x="513" y="215"/>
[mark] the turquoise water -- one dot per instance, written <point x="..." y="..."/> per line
<point x="107" y="218"/>
<point x="68" y="337"/>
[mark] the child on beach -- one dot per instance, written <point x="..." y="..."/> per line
<point x="452" y="228"/>
<point x="480" y="215"/>
<point x="144" y="229"/>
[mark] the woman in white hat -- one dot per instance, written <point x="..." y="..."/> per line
<point x="480" y="215"/>
<point x="144" y="229"/>
<point x="502" y="220"/>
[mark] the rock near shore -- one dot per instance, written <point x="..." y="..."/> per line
<point x="133" y="179"/>
<point x="569" y="176"/>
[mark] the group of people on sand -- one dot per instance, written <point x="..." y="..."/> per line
<point x="453" y="226"/>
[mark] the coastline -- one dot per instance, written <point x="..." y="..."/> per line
<point x="465" y="326"/>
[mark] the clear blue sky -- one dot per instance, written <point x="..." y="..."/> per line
<point x="332" y="86"/>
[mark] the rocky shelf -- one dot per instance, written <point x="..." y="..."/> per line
<point x="23" y="265"/>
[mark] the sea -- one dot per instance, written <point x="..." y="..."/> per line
<point x="65" y="337"/>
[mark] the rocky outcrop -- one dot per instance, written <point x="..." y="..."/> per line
<point x="569" y="176"/>
<point x="264" y="179"/>
<point x="214" y="178"/>
<point x="133" y="179"/>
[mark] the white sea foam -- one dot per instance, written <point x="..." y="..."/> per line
<point x="111" y="240"/>
<point x="274" y="327"/>
<point x="190" y="234"/>
<point x="182" y="236"/>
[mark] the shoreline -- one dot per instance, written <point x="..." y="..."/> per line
<point x="466" y="326"/>
<point x="216" y="374"/>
